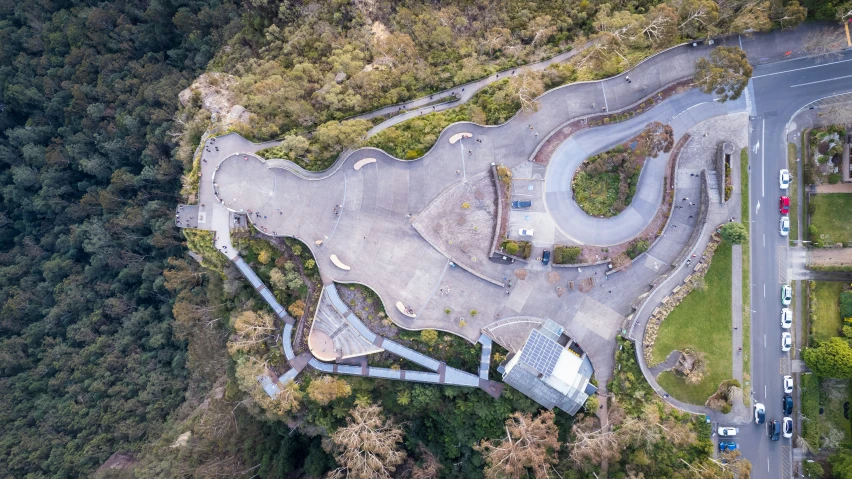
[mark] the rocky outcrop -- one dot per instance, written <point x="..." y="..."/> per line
<point x="215" y="92"/>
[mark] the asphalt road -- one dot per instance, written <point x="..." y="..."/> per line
<point x="779" y="91"/>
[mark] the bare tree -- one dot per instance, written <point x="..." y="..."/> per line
<point x="527" y="87"/>
<point x="251" y="329"/>
<point x="526" y="447"/>
<point x="429" y="467"/>
<point x="825" y="44"/>
<point x="368" y="446"/>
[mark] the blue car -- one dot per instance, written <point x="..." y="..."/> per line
<point x="545" y="257"/>
<point x="727" y="446"/>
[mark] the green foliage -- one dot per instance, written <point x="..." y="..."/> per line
<point x="833" y="178"/>
<point x="604" y="184"/>
<point x="734" y="233"/>
<point x="89" y="177"/>
<point x="627" y="382"/>
<point x="813" y="469"/>
<point x="512" y="248"/>
<point x="726" y="73"/>
<point x="841" y="464"/>
<point x="637" y="247"/>
<point x="429" y="336"/>
<point x="846" y="306"/>
<point x="831" y="359"/>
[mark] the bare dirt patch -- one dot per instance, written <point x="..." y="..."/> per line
<point x="830" y="257"/>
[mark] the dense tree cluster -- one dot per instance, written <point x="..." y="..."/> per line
<point x="89" y="363"/>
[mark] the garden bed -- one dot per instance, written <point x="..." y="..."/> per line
<point x="604" y="185"/>
<point x="826" y="148"/>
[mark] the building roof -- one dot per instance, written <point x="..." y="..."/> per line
<point x="549" y="373"/>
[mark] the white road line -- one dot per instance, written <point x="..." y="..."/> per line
<point x="604" y="93"/>
<point x="764" y="341"/>
<point x="764" y="290"/>
<point x="820" y="81"/>
<point x="464" y="171"/>
<point x="764" y="240"/>
<point x="762" y="157"/>
<point x="764" y="392"/>
<point x="803" y="68"/>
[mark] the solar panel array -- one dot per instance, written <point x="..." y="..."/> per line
<point x="541" y="353"/>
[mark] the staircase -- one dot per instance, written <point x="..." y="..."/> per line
<point x="713" y="190"/>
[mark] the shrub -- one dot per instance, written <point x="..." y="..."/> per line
<point x="811" y="208"/>
<point x="566" y="254"/>
<point x="429" y="336"/>
<point x="813" y="469"/>
<point x="511" y="248"/>
<point x="734" y="233"/>
<point x="833" y="178"/>
<point x="447" y="310"/>
<point x="813" y="232"/>
<point x="263" y="257"/>
<point x="527" y="250"/>
<point x="473" y="312"/>
<point x="637" y="247"/>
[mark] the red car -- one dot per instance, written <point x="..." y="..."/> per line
<point x="785" y="205"/>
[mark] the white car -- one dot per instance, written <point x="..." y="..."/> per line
<point x="788" y="384"/>
<point x="787" y="427"/>
<point x="786" y="341"/>
<point x="727" y="431"/>
<point x="786" y="294"/>
<point x="786" y="318"/>
<point x="784" y="179"/>
<point x="525" y="232"/>
<point x="785" y="226"/>
<point x="759" y="413"/>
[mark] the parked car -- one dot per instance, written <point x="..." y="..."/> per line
<point x="786" y="341"/>
<point x="788" y="427"/>
<point x="727" y="446"/>
<point x="784" y="205"/>
<point x="786" y="318"/>
<point x="727" y="431"/>
<point x="785" y="226"/>
<point x="787" y="404"/>
<point x="773" y="428"/>
<point x="759" y="413"/>
<point x="525" y="232"/>
<point x="786" y="294"/>
<point x="784" y="179"/>
<point x="788" y="384"/>
<point x="521" y="204"/>
<point x="545" y="257"/>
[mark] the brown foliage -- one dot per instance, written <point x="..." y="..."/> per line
<point x="368" y="446"/>
<point x="327" y="389"/>
<point x="528" y="447"/>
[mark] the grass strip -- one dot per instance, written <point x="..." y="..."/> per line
<point x="744" y="214"/>
<point x="810" y="410"/>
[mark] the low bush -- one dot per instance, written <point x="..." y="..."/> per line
<point x="833" y="178"/>
<point x="567" y="254"/>
<point x="637" y="247"/>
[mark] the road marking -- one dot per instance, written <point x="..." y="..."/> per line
<point x="820" y="81"/>
<point x="764" y="392"/>
<point x="764" y="340"/>
<point x="764" y="241"/>
<point x="764" y="290"/>
<point x="757" y="209"/>
<point x="604" y="93"/>
<point x="762" y="157"/>
<point x="803" y="68"/>
<point x="848" y="39"/>
<point x="464" y="171"/>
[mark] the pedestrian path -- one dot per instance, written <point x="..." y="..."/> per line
<point x="443" y="374"/>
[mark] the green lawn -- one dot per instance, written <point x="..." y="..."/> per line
<point x="791" y="192"/>
<point x="833" y="217"/>
<point x="826" y="322"/>
<point x="701" y="322"/>
<point x="744" y="215"/>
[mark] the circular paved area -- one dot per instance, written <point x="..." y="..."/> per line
<point x="244" y="183"/>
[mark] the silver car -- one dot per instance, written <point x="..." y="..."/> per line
<point x="784" y="226"/>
